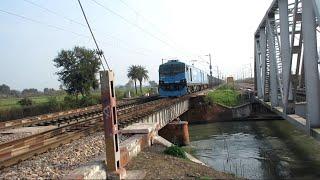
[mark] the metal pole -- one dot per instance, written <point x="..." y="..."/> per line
<point x="110" y="121"/>
<point x="210" y="65"/>
<point x="311" y="65"/>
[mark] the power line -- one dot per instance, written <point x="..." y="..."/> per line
<point x="151" y="23"/>
<point x="145" y="19"/>
<point x="94" y="39"/>
<point x="53" y="12"/>
<point x="79" y="23"/>
<point x="131" y="23"/>
<point x="58" y="28"/>
<point x="42" y="23"/>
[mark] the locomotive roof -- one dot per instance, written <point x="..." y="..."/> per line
<point x="171" y="62"/>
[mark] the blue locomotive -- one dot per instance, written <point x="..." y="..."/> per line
<point x="177" y="79"/>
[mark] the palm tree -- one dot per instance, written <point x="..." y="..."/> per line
<point x="133" y="75"/>
<point x="142" y="75"/>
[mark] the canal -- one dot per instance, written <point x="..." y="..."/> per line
<point x="257" y="149"/>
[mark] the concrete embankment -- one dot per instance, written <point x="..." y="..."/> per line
<point x="203" y="112"/>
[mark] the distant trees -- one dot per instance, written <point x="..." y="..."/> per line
<point x="30" y="92"/>
<point x="137" y="72"/>
<point x="133" y="75"/>
<point x="153" y="84"/>
<point x="129" y="84"/>
<point x="78" y="68"/>
<point x="4" y="89"/>
<point x="48" y="91"/>
<point x="142" y="75"/>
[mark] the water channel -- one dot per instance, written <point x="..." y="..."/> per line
<point x="270" y="149"/>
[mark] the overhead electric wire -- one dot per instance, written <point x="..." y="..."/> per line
<point x="133" y="24"/>
<point x="147" y="20"/>
<point x="85" y="26"/>
<point x="53" y="12"/>
<point x="94" y="39"/>
<point x="42" y="23"/>
<point x="27" y="19"/>
<point x="154" y="26"/>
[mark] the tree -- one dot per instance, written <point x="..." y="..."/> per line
<point x="48" y="91"/>
<point x="25" y="102"/>
<point x="142" y="74"/>
<point x="129" y="84"/>
<point x="30" y="92"/>
<point x="4" y="89"/>
<point x="78" y="68"/>
<point x="153" y="84"/>
<point x="133" y="75"/>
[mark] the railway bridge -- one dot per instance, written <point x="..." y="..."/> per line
<point x="287" y="62"/>
<point x="138" y="120"/>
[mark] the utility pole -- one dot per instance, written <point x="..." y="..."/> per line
<point x="218" y="75"/>
<point x="210" y="67"/>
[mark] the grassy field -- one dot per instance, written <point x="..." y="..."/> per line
<point x="8" y="103"/>
<point x="225" y="95"/>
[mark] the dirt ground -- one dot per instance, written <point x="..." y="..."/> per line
<point x="161" y="166"/>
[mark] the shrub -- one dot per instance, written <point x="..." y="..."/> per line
<point x="175" y="151"/>
<point x="53" y="104"/>
<point x="225" y="95"/>
<point x="25" y="102"/>
<point x="87" y="101"/>
<point x="70" y="102"/>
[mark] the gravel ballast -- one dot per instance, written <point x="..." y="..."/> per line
<point x="58" y="162"/>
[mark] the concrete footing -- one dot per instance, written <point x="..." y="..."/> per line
<point x="176" y="132"/>
<point x="141" y="136"/>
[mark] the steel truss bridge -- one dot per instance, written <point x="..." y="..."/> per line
<point x="287" y="61"/>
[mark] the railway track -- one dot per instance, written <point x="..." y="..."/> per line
<point x="15" y="151"/>
<point x="70" y="115"/>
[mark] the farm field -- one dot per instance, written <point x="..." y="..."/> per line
<point x="7" y="103"/>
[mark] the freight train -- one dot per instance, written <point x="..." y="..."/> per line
<point x="177" y="79"/>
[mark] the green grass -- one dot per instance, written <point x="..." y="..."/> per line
<point x="8" y="103"/>
<point x="175" y="151"/>
<point x="225" y="95"/>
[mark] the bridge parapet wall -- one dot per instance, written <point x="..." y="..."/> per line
<point x="165" y="115"/>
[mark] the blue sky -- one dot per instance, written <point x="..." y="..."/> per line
<point x="183" y="29"/>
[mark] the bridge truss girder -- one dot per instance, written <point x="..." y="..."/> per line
<point x="286" y="57"/>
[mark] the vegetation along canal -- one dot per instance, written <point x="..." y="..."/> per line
<point x="257" y="149"/>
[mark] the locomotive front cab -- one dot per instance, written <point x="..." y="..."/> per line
<point x="172" y="79"/>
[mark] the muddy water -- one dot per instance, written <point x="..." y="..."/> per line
<point x="257" y="149"/>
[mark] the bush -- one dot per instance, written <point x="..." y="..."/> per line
<point x="175" y="151"/>
<point x="225" y="95"/>
<point x="53" y="104"/>
<point x="70" y="102"/>
<point x="87" y="101"/>
<point x="25" y="102"/>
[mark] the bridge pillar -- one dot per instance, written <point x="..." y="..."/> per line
<point x="114" y="168"/>
<point x="176" y="132"/>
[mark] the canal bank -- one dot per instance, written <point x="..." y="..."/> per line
<point x="269" y="149"/>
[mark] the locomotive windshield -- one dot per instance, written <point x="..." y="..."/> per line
<point x="171" y="69"/>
